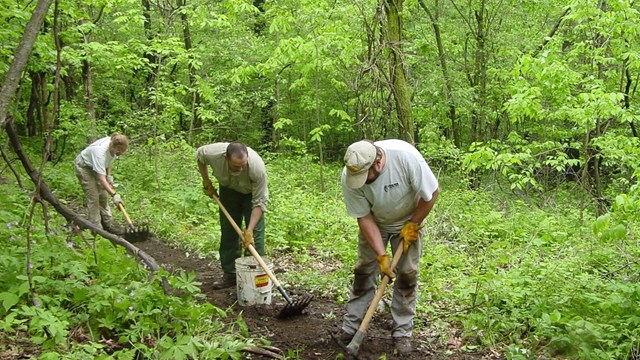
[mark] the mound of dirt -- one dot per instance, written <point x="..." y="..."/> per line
<point x="308" y="335"/>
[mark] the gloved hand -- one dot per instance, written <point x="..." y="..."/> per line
<point x="247" y="239"/>
<point x="110" y="179"/>
<point x="410" y="232"/>
<point x="209" y="189"/>
<point x="385" y="266"/>
<point x="117" y="199"/>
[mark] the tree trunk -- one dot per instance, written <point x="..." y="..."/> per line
<point x="196" y="121"/>
<point x="35" y="113"/>
<point x="454" y="127"/>
<point x="397" y="75"/>
<point x="87" y="78"/>
<point x="151" y="58"/>
<point x="20" y="58"/>
<point x="480" y="75"/>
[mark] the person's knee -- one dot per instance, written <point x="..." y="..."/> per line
<point x="361" y="283"/>
<point x="407" y="280"/>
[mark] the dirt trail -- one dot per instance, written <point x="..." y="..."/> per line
<point x="307" y="335"/>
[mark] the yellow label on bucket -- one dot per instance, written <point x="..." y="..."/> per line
<point x="261" y="280"/>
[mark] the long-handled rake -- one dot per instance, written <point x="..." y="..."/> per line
<point x="293" y="308"/>
<point x="133" y="233"/>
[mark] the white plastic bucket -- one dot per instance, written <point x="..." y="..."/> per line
<point x="253" y="285"/>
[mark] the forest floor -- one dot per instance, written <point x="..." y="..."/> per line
<point x="309" y="334"/>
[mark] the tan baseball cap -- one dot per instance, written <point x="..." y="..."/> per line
<point x="358" y="159"/>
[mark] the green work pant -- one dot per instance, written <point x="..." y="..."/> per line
<point x="239" y="207"/>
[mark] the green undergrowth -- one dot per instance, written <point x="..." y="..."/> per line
<point x="529" y="277"/>
<point x="79" y="297"/>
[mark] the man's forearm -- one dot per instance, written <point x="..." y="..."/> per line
<point x="256" y="214"/>
<point x="371" y="233"/>
<point x="424" y="208"/>
<point x="202" y="169"/>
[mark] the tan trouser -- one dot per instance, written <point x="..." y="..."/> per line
<point x="405" y="286"/>
<point x="95" y="196"/>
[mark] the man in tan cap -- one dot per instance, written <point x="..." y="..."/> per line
<point x="390" y="189"/>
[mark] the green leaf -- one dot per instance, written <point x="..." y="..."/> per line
<point x="8" y="300"/>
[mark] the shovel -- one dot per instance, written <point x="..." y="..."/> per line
<point x="293" y="308"/>
<point x="131" y="232"/>
<point x="356" y="341"/>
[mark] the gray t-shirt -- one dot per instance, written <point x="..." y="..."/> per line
<point x="393" y="196"/>
<point x="251" y="180"/>
<point x="97" y="155"/>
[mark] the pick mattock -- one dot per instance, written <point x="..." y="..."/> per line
<point x="356" y="341"/>
<point x="293" y="308"/>
<point x="133" y="233"/>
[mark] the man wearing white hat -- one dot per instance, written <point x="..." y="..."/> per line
<point x="390" y="189"/>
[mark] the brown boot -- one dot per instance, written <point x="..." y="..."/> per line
<point x="113" y="228"/>
<point x="403" y="345"/>
<point x="225" y="283"/>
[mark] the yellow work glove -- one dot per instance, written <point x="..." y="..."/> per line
<point x="385" y="266"/>
<point x="410" y="232"/>
<point x="247" y="239"/>
<point x="209" y="189"/>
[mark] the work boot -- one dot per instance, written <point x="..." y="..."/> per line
<point x="345" y="337"/>
<point x="403" y="345"/>
<point x="225" y="283"/>
<point x="113" y="228"/>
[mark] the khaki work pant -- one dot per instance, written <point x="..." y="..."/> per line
<point x="95" y="196"/>
<point x="405" y="285"/>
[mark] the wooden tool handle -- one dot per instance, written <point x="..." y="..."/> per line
<point x="380" y="292"/>
<point x="226" y="213"/>
<point x="124" y="212"/>
<point x="252" y="249"/>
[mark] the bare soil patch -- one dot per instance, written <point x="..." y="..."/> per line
<point x="308" y="335"/>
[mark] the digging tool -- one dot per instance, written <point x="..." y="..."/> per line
<point x="356" y="341"/>
<point x="131" y="232"/>
<point x="293" y="308"/>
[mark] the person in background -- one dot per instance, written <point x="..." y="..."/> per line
<point x="242" y="177"/>
<point x="390" y="189"/>
<point x="93" y="169"/>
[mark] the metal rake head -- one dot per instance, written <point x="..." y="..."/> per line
<point x="136" y="233"/>
<point x="295" y="308"/>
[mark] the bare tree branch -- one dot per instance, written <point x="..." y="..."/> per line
<point x="552" y="32"/>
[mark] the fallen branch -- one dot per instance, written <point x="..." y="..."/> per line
<point x="71" y="215"/>
<point x="267" y="351"/>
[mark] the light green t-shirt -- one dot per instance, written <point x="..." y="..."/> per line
<point x="251" y="180"/>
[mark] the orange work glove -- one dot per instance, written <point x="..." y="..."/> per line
<point x="385" y="266"/>
<point x="410" y="232"/>
<point x="247" y="239"/>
